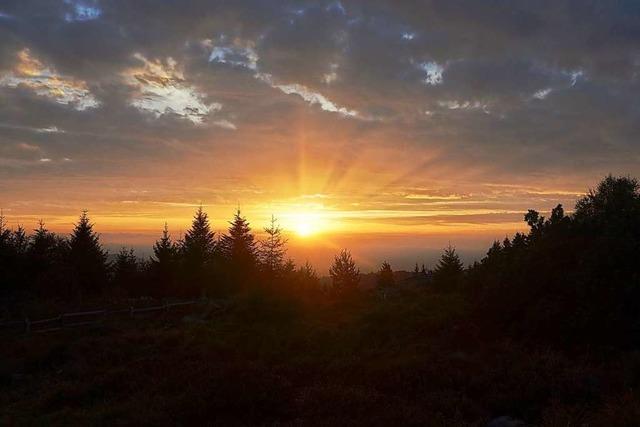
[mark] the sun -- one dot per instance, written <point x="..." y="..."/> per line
<point x="304" y="229"/>
<point x="305" y="224"/>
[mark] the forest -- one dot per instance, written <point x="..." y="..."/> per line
<point x="543" y="330"/>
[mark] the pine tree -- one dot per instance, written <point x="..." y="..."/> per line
<point x="41" y="253"/>
<point x="199" y="242"/>
<point x="198" y="250"/>
<point x="20" y="241"/>
<point x="308" y="276"/>
<point x="125" y="270"/>
<point x="164" y="264"/>
<point x="87" y="259"/>
<point x="449" y="268"/>
<point x="273" y="249"/>
<point x="6" y="252"/>
<point x="385" y="277"/>
<point x="345" y="276"/>
<point x="12" y="256"/>
<point x="164" y="250"/>
<point x="238" y="249"/>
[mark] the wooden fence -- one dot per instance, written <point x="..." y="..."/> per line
<point x="86" y="318"/>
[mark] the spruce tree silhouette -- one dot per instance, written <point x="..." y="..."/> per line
<point x="385" y="276"/>
<point x="198" y="251"/>
<point x="238" y="249"/>
<point x="307" y="277"/>
<point x="87" y="259"/>
<point x="8" y="257"/>
<point x="164" y="264"/>
<point x="126" y="271"/>
<point x="345" y="276"/>
<point x="20" y="241"/>
<point x="385" y="279"/>
<point x="41" y="254"/>
<point x="273" y="249"/>
<point x="449" y="269"/>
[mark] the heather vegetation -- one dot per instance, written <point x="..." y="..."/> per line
<point x="544" y="330"/>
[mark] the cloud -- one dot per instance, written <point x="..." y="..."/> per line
<point x="29" y="72"/>
<point x="433" y="72"/>
<point x="542" y="93"/>
<point x="237" y="54"/>
<point x="161" y="89"/>
<point x="314" y="98"/>
<point x="82" y="10"/>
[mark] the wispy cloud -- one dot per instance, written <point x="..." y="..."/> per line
<point x="34" y="75"/>
<point x="161" y="89"/>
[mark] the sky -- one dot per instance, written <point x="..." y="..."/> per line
<point x="391" y="128"/>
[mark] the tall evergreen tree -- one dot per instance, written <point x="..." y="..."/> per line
<point x="345" y="276"/>
<point x="308" y="276"/>
<point x="273" y="249"/>
<point x="385" y="277"/>
<point x="238" y="249"/>
<point x="41" y="255"/>
<point x="20" y="241"/>
<point x="87" y="258"/>
<point x="198" y="250"/>
<point x="8" y="257"/>
<point x="126" y="271"/>
<point x="164" y="264"/>
<point x="449" y="269"/>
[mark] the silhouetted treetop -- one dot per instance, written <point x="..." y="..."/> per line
<point x="239" y="245"/>
<point x="273" y="248"/>
<point x="87" y="258"/>
<point x="199" y="242"/>
<point x="614" y="196"/>
<point x="164" y="250"/>
<point x="345" y="276"/>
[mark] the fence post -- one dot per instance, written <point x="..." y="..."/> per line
<point x="130" y="311"/>
<point x="27" y="325"/>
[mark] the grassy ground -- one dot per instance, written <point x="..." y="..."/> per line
<point x="413" y="359"/>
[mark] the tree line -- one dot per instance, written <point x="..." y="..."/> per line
<point x="201" y="263"/>
<point x="561" y="279"/>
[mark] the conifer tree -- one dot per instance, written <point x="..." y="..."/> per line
<point x="308" y="276"/>
<point x="273" y="249"/>
<point x="345" y="276"/>
<point x="41" y="253"/>
<point x="87" y="259"/>
<point x="199" y="242"/>
<point x="164" y="263"/>
<point x="125" y="270"/>
<point x="20" y="241"/>
<point x="385" y="276"/>
<point x="164" y="250"/>
<point x="10" y="259"/>
<point x="198" y="250"/>
<point x="449" y="268"/>
<point x="238" y="249"/>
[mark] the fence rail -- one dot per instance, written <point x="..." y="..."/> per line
<point x="85" y="318"/>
